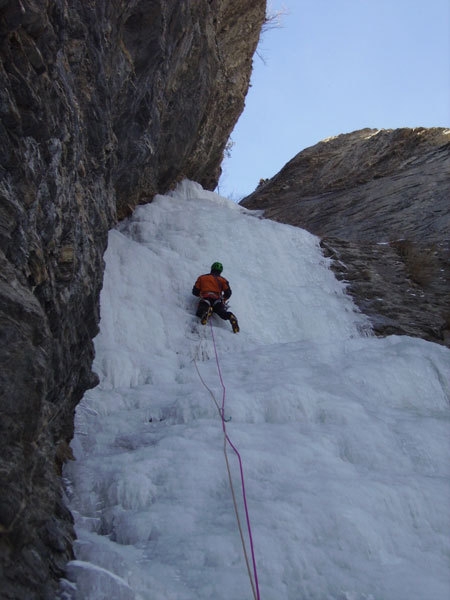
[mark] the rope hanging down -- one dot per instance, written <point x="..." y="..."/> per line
<point x="221" y="410"/>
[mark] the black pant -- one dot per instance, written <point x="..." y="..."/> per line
<point x="218" y="308"/>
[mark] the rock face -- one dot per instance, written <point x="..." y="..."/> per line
<point x="379" y="199"/>
<point x="102" y="104"/>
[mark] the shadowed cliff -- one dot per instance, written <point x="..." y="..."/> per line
<point x="102" y="105"/>
<point x="379" y="199"/>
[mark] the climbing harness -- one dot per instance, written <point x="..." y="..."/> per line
<point x="226" y="440"/>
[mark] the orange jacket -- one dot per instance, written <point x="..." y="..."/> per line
<point x="212" y="286"/>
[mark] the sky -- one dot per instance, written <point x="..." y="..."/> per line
<point x="342" y="436"/>
<point x="334" y="67"/>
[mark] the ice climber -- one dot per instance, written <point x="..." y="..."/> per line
<point x="213" y="290"/>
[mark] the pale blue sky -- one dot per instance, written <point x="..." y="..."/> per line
<point x="335" y="66"/>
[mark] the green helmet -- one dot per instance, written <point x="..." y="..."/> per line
<point x="217" y="266"/>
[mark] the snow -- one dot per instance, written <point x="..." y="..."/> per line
<point x="344" y="437"/>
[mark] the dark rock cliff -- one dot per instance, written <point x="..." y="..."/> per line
<point x="102" y="103"/>
<point x="380" y="201"/>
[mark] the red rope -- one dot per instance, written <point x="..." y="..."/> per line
<point x="244" y="496"/>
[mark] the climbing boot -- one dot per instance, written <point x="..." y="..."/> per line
<point x="234" y="323"/>
<point x="206" y="316"/>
